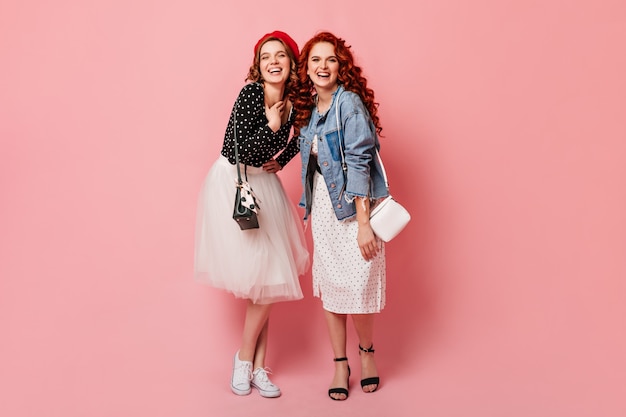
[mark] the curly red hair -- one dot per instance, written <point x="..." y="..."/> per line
<point x="350" y="76"/>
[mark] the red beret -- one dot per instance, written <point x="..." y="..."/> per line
<point x="291" y="44"/>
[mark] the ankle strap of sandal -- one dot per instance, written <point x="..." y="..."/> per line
<point x="340" y="359"/>
<point x="370" y="350"/>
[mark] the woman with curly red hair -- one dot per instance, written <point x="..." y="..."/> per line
<point x="337" y="126"/>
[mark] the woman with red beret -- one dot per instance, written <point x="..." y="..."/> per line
<point x="261" y="265"/>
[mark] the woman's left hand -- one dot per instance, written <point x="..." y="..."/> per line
<point x="272" y="166"/>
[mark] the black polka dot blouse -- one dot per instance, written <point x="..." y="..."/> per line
<point x="257" y="142"/>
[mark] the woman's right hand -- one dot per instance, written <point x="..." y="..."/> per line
<point x="274" y="115"/>
<point x="368" y="243"/>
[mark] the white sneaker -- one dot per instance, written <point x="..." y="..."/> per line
<point x="261" y="381"/>
<point x="242" y="374"/>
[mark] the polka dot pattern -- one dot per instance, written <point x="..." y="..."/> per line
<point x="347" y="283"/>
<point x="257" y="142"/>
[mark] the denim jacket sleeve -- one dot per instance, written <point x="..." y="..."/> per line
<point x="358" y="140"/>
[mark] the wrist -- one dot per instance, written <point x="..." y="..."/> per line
<point x="273" y="126"/>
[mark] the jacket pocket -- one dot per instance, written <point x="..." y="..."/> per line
<point x="332" y="139"/>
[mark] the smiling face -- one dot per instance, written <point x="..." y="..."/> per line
<point x="323" y="66"/>
<point x="274" y="62"/>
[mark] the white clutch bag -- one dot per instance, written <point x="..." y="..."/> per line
<point x="388" y="218"/>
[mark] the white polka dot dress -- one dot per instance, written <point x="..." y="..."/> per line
<point x="346" y="283"/>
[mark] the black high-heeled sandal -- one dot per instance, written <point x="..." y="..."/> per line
<point x="372" y="380"/>
<point x="343" y="391"/>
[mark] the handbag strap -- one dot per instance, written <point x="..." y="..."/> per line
<point x="234" y="116"/>
<point x="341" y="144"/>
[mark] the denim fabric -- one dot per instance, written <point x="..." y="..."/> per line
<point x="363" y="177"/>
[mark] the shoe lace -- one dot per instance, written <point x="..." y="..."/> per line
<point x="245" y="369"/>
<point x="263" y="375"/>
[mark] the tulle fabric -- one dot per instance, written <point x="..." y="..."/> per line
<point x="262" y="264"/>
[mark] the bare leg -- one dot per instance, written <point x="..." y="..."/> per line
<point x="261" y="346"/>
<point x="255" y="332"/>
<point x="364" y="326"/>
<point x="336" y="324"/>
<point x="253" y="349"/>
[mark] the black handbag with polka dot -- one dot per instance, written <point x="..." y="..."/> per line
<point x="245" y="211"/>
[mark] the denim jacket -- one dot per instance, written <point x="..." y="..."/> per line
<point x="364" y="177"/>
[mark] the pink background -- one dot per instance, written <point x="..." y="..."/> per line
<point x="505" y="136"/>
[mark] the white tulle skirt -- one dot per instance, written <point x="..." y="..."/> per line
<point x="262" y="264"/>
